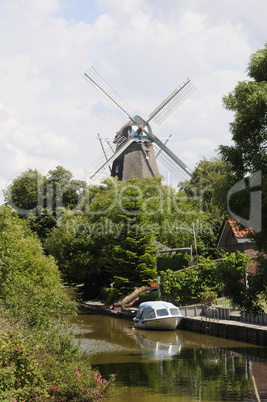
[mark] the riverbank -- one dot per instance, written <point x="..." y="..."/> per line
<point x="224" y="328"/>
<point x="99" y="307"/>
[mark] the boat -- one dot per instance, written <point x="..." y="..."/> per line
<point x="157" y="315"/>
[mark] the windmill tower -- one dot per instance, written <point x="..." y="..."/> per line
<point x="136" y="147"/>
<point x="138" y="159"/>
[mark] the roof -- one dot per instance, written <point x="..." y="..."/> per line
<point x="157" y="304"/>
<point x="242" y="235"/>
<point x="238" y="232"/>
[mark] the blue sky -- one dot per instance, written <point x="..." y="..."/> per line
<point x="79" y="10"/>
<point x="50" y="115"/>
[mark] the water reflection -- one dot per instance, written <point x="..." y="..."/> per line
<point x="172" y="366"/>
<point x="153" y="348"/>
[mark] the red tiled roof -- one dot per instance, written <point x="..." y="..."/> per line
<point x="238" y="232"/>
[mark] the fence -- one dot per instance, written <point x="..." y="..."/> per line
<point x="225" y="314"/>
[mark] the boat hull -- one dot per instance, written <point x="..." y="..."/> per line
<point x="166" y="324"/>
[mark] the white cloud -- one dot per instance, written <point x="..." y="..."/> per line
<point x="50" y="116"/>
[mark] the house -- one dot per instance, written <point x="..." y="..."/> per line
<point x="233" y="238"/>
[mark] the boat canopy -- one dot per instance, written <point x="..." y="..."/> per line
<point x="147" y="309"/>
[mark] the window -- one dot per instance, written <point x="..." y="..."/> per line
<point x="174" y="311"/>
<point x="162" y="312"/>
<point x="139" y="313"/>
<point x="151" y="314"/>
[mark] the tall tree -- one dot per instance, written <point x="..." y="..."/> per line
<point x="207" y="183"/>
<point x="206" y="189"/>
<point x="249" y="128"/>
<point x="41" y="198"/>
<point x="248" y="154"/>
<point x="26" y="192"/>
<point x="63" y="190"/>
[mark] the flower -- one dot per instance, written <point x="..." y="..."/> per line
<point x="18" y="350"/>
<point x="54" y="388"/>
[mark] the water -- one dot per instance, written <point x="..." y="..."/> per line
<point x="171" y="366"/>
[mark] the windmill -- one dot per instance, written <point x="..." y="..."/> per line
<point x="136" y="146"/>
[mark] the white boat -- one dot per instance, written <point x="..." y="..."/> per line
<point x="158" y="315"/>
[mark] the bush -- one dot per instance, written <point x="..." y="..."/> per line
<point x="208" y="297"/>
<point x="39" y="358"/>
<point x="30" y="372"/>
<point x="151" y="296"/>
<point x="188" y="285"/>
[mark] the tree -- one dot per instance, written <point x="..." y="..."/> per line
<point x="248" y="154"/>
<point x="30" y="283"/>
<point x="207" y="190"/>
<point x="38" y="350"/>
<point x="249" y="134"/>
<point x="184" y="286"/>
<point x="207" y="184"/>
<point x="249" y="102"/>
<point x="41" y="199"/>
<point x="62" y="190"/>
<point x="26" y="192"/>
<point x="238" y="284"/>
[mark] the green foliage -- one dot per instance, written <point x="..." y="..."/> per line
<point x="30" y="283"/>
<point x="207" y="189"/>
<point x="175" y="262"/>
<point x="238" y="285"/>
<point x="208" y="297"/>
<point x="249" y="133"/>
<point x="29" y="372"/>
<point x="37" y="344"/>
<point x="115" y="239"/>
<point x="134" y="261"/>
<point x="23" y="192"/>
<point x="257" y="67"/>
<point x="110" y="294"/>
<point x="189" y="285"/>
<point x="209" y="279"/>
<point x="82" y="251"/>
<point x="247" y="155"/>
<point x="42" y="199"/>
<point x="150" y="296"/>
<point x="206" y="182"/>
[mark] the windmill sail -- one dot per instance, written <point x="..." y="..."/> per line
<point x="174" y="165"/>
<point x="97" y="167"/>
<point x="178" y="96"/>
<point x="98" y="82"/>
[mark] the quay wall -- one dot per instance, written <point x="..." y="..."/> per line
<point x="239" y="331"/>
<point x="225" y="324"/>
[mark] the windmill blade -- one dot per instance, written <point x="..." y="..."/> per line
<point x="178" y="96"/>
<point x="159" y="152"/>
<point x="170" y="160"/>
<point x="97" y="167"/>
<point x="98" y="82"/>
<point x="103" y="149"/>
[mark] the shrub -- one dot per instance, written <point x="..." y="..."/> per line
<point x="151" y="296"/>
<point x="39" y="357"/>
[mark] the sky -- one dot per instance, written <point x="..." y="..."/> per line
<point x="50" y="115"/>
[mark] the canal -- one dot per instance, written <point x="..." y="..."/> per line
<point x="173" y="365"/>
